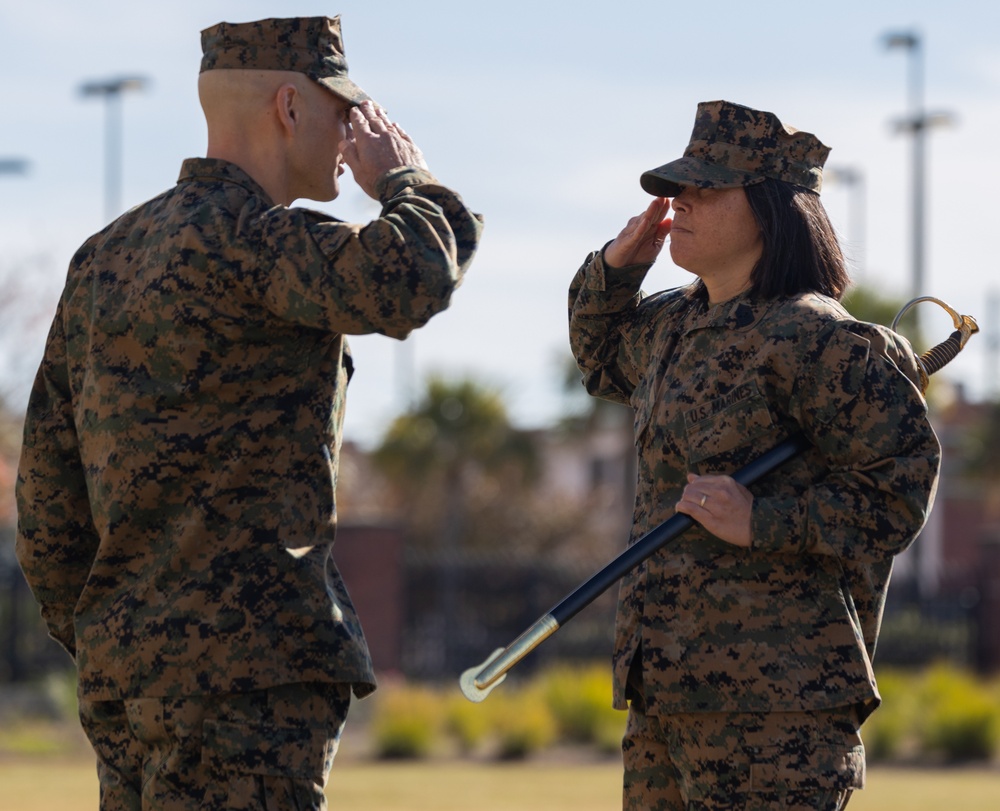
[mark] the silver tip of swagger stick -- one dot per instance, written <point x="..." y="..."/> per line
<point x="470" y="689"/>
<point x="479" y="681"/>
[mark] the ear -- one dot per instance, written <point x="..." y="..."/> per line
<point x="288" y="104"/>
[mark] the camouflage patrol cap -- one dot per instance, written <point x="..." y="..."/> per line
<point x="732" y="145"/>
<point x="309" y="45"/>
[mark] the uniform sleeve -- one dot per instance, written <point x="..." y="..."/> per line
<point x="56" y="541"/>
<point x="602" y="308"/>
<point x="389" y="276"/>
<point x="869" y="422"/>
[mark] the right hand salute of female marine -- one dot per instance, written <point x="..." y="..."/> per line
<point x="641" y="241"/>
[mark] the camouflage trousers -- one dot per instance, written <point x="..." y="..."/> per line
<point x="266" y="749"/>
<point x="746" y="761"/>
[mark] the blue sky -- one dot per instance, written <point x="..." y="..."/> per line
<point x="542" y="115"/>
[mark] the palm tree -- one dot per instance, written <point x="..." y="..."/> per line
<point x="457" y="444"/>
<point x="457" y="467"/>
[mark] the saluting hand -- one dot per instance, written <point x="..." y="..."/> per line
<point x="377" y="145"/>
<point x="642" y="239"/>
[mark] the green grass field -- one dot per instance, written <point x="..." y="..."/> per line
<point x="29" y="784"/>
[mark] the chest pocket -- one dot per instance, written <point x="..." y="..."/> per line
<point x="649" y="392"/>
<point x="732" y="421"/>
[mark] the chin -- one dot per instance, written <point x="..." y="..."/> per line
<point x="323" y="196"/>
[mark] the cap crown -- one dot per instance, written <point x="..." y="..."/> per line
<point x="757" y="144"/>
<point x="310" y="45"/>
<point x="732" y="145"/>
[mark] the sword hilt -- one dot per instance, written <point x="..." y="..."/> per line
<point x="937" y="357"/>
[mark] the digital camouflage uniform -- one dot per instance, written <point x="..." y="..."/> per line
<point x="176" y="488"/>
<point x="740" y="640"/>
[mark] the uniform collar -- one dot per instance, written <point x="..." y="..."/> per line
<point x="218" y="169"/>
<point x="739" y="314"/>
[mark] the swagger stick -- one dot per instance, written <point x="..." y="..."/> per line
<point x="478" y="682"/>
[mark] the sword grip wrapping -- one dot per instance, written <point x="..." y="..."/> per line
<point x="937" y="357"/>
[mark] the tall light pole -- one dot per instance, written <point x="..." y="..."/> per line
<point x="917" y="122"/>
<point x="993" y="346"/>
<point x="111" y="90"/>
<point x="13" y="166"/>
<point x="854" y="180"/>
<point x="926" y="552"/>
<point x="406" y="373"/>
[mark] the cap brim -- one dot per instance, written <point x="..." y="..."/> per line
<point x="344" y="88"/>
<point x="669" y="179"/>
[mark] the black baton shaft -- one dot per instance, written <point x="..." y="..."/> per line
<point x="669" y="530"/>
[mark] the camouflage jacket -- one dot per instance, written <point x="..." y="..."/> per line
<point x="175" y="494"/>
<point x="790" y="623"/>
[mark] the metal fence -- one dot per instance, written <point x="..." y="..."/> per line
<point x="26" y="651"/>
<point x="458" y="610"/>
<point x="917" y="632"/>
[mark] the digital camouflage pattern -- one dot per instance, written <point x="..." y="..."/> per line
<point x="310" y="45"/>
<point x="176" y="509"/>
<point x="732" y="145"/>
<point x="263" y="749"/>
<point x="755" y="761"/>
<point x="791" y="623"/>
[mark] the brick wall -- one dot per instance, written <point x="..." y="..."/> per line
<point x="369" y="557"/>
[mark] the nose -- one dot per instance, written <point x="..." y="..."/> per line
<point x="680" y="202"/>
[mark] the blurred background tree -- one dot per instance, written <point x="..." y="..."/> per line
<point x="457" y="467"/>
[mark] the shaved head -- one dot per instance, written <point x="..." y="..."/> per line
<point x="280" y="126"/>
<point x="235" y="94"/>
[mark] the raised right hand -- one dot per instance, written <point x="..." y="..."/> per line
<point x="642" y="239"/>
<point x="376" y="145"/>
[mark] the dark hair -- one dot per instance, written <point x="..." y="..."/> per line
<point x="801" y="253"/>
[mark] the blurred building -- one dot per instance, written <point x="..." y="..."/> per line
<point x="945" y="602"/>
<point x="950" y="608"/>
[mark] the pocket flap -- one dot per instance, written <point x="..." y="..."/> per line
<point x="265" y="749"/>
<point x="728" y="422"/>
<point x="823" y="768"/>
